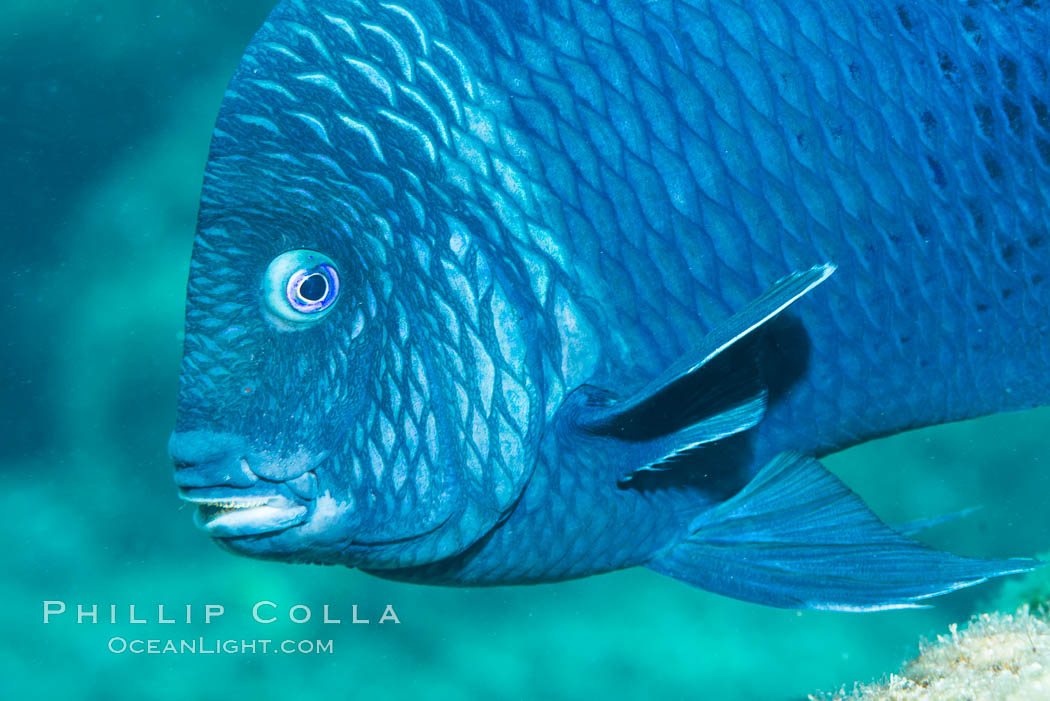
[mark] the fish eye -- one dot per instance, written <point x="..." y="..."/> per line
<point x="300" y="286"/>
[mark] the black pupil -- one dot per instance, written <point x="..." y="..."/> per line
<point x="314" y="288"/>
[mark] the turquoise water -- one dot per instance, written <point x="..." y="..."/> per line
<point x="107" y="110"/>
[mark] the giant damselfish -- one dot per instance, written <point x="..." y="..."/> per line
<point x="490" y="292"/>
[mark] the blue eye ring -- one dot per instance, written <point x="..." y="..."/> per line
<point x="300" y="286"/>
<point x="312" y="290"/>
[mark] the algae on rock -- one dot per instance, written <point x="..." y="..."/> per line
<point x="995" y="657"/>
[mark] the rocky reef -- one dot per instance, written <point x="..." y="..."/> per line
<point x="995" y="656"/>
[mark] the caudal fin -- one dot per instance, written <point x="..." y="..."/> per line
<point x="797" y="537"/>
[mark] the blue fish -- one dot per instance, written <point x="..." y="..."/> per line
<point x="492" y="292"/>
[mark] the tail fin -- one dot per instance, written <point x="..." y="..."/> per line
<point x="797" y="537"/>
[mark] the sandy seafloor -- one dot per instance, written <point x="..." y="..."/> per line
<point x="107" y="107"/>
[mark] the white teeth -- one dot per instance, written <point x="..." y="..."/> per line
<point x="257" y="519"/>
<point x="247" y="515"/>
<point x="232" y="502"/>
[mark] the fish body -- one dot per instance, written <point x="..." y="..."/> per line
<point x="490" y="293"/>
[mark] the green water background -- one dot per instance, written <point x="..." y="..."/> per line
<point x="106" y="111"/>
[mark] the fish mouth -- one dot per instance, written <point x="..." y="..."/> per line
<point x="235" y="515"/>
<point x="239" y="492"/>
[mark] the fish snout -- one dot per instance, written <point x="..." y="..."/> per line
<point x="208" y="459"/>
<point x="238" y="492"/>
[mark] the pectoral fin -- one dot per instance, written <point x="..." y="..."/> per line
<point x="711" y="378"/>
<point x="711" y="393"/>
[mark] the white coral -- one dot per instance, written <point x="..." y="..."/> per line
<point x="996" y="657"/>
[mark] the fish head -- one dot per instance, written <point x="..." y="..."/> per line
<point x="282" y="368"/>
<point x="307" y="423"/>
<point x="343" y="395"/>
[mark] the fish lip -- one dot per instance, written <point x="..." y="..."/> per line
<point x="228" y="471"/>
<point x="230" y="502"/>
<point x="241" y="491"/>
<point x="265" y="508"/>
<point x="251" y="516"/>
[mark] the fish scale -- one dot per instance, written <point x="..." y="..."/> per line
<point x="811" y="154"/>
<point x="586" y="219"/>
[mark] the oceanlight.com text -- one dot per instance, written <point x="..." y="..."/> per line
<point x="215" y="646"/>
